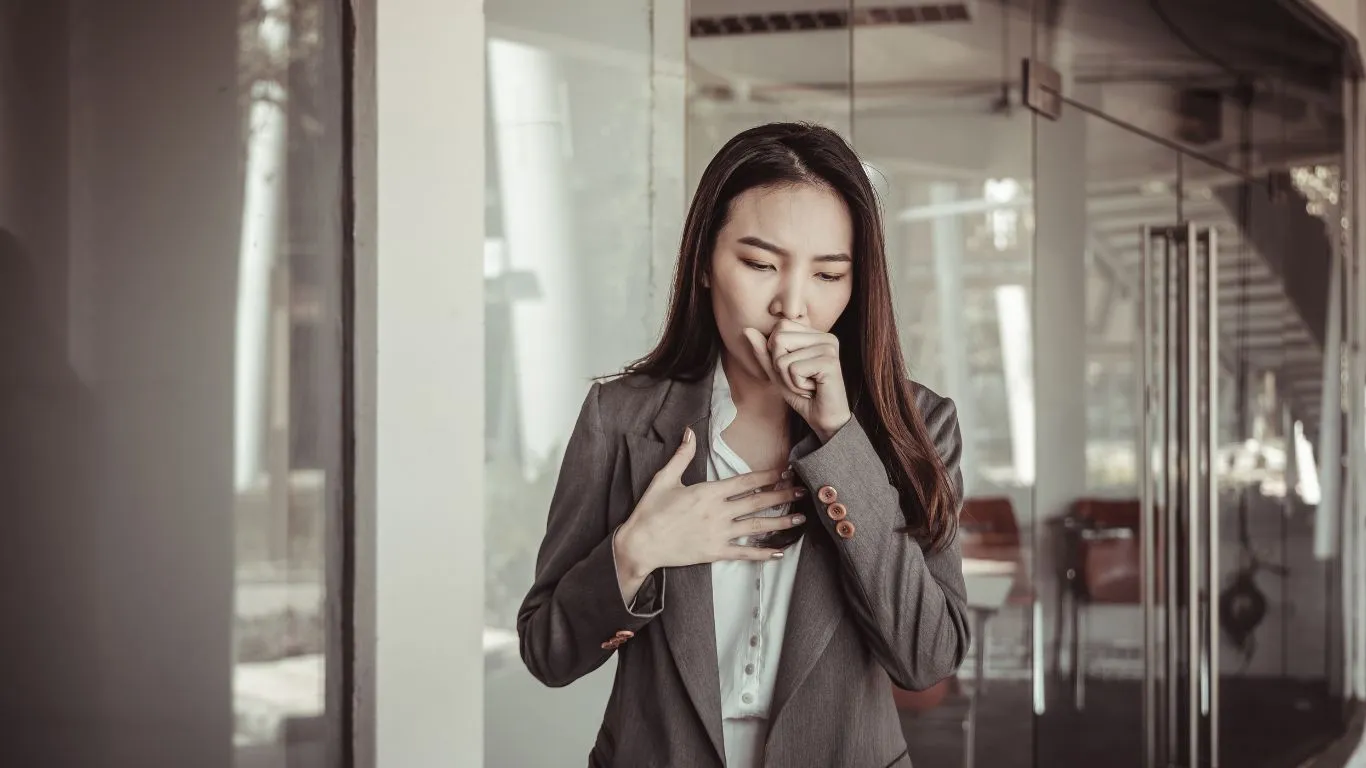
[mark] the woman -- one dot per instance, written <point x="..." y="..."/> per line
<point x="760" y="517"/>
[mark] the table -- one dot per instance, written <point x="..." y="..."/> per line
<point x="988" y="585"/>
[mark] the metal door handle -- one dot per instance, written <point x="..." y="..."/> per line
<point x="1212" y="491"/>
<point x="1147" y="408"/>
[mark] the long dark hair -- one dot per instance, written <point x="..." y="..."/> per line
<point x="881" y="395"/>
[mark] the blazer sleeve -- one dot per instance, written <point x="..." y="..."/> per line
<point x="575" y="603"/>
<point x="910" y="605"/>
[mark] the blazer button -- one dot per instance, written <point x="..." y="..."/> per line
<point x="837" y="511"/>
<point x="827" y="494"/>
<point x="845" y="529"/>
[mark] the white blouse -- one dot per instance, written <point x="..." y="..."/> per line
<point x="751" y="601"/>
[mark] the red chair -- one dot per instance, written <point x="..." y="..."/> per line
<point x="1102" y="565"/>
<point x="989" y="530"/>
<point x="923" y="701"/>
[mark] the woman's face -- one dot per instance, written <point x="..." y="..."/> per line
<point x="785" y="253"/>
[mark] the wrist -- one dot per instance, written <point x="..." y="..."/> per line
<point x="626" y="546"/>
<point x="827" y="431"/>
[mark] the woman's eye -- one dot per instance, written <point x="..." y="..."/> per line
<point x="829" y="277"/>
<point x="759" y="265"/>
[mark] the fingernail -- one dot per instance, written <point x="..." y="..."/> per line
<point x="800" y="492"/>
<point x="777" y="555"/>
<point x="687" y="434"/>
<point x="787" y="474"/>
<point x="799" y="519"/>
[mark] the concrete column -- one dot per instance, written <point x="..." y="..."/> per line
<point x="419" y="397"/>
<point x="1059" y="311"/>
<point x="1058" y="308"/>
<point x="947" y="238"/>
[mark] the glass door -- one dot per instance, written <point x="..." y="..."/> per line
<point x="1102" y="195"/>
<point x="1187" y="409"/>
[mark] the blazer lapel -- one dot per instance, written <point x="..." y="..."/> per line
<point x="816" y="610"/>
<point x="688" y="619"/>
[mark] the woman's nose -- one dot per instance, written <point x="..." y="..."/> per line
<point x="789" y="303"/>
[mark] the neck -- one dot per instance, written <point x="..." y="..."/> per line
<point x="755" y="398"/>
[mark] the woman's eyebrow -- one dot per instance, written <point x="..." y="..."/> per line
<point x="780" y="251"/>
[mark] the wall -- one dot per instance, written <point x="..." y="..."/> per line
<point x="119" y="564"/>
<point x="169" y="608"/>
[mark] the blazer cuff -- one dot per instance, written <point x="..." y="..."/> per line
<point x="850" y="466"/>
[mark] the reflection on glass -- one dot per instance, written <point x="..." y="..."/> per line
<point x="569" y="286"/>
<point x="287" y="371"/>
<point x="1013" y="316"/>
<point x="170" y="378"/>
<point x="930" y="110"/>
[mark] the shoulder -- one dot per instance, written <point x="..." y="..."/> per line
<point x="941" y="423"/>
<point x="937" y="410"/>
<point x="629" y="389"/>
<point x="628" y="402"/>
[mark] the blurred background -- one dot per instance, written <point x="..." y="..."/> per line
<point x="1058" y="180"/>
<point x="170" y="382"/>
<point x="1122" y="236"/>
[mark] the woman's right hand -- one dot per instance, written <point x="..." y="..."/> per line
<point x="676" y="525"/>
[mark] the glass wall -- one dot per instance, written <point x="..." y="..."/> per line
<point x="1016" y="242"/>
<point x="933" y="117"/>
<point x="1210" y="148"/>
<point x="170" y="341"/>
<point x="573" y="290"/>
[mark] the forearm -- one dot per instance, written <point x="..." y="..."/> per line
<point x="910" y="606"/>
<point x="575" y="607"/>
<point x="564" y="622"/>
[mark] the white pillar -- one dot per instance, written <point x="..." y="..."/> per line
<point x="547" y="327"/>
<point x="263" y="211"/>
<point x="947" y="236"/>
<point x="1059" y="303"/>
<point x="419" y="249"/>
<point x="668" y="150"/>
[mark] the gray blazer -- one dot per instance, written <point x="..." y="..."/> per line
<point x="867" y="610"/>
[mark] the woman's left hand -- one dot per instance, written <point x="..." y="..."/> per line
<point x="805" y="366"/>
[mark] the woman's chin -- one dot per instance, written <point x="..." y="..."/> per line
<point x="743" y="364"/>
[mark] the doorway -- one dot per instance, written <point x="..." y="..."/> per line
<point x="1190" y="616"/>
